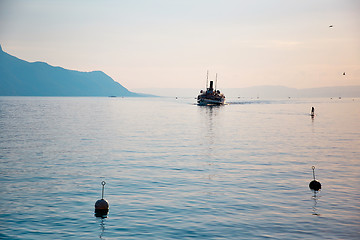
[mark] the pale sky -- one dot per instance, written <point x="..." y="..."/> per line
<point x="172" y="43"/>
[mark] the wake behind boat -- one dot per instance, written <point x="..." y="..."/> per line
<point x="211" y="96"/>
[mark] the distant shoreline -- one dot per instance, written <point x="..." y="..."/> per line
<point x="262" y="92"/>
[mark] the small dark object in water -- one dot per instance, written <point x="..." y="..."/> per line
<point x="314" y="185"/>
<point x="101" y="206"/>
<point x="312" y="112"/>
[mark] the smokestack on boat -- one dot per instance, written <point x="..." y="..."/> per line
<point x="211" y="84"/>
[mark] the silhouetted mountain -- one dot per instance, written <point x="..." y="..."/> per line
<point x="22" y="78"/>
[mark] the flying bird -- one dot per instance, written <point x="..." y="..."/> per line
<point x="330" y="26"/>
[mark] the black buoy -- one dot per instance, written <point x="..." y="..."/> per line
<point x="101" y="206"/>
<point x="312" y="114"/>
<point x="314" y="185"/>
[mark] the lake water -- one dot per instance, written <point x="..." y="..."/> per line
<point x="174" y="170"/>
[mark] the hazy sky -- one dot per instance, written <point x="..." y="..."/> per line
<point x="171" y="43"/>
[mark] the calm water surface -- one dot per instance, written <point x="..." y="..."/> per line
<point x="175" y="170"/>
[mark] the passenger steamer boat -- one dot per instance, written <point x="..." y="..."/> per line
<point x="211" y="96"/>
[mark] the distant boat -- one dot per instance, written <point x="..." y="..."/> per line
<point x="211" y="96"/>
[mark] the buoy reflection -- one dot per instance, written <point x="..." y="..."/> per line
<point x="315" y="198"/>
<point x="102" y="228"/>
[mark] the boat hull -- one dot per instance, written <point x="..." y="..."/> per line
<point x="209" y="102"/>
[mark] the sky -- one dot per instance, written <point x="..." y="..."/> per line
<point x="172" y="43"/>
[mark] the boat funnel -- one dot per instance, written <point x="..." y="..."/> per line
<point x="211" y="84"/>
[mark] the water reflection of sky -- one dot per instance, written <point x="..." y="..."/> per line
<point x="178" y="170"/>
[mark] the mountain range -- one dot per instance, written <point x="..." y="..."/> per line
<point x="285" y="92"/>
<point x="22" y="78"/>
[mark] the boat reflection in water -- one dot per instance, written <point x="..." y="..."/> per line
<point x="211" y="96"/>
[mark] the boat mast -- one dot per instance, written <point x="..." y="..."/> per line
<point x="215" y="81"/>
<point x="207" y="78"/>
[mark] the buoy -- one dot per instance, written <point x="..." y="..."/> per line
<point x="312" y="112"/>
<point x="101" y="206"/>
<point x="314" y="185"/>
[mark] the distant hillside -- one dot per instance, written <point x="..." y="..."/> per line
<point x="22" y="78"/>
<point x="262" y="92"/>
<point x="284" y="92"/>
